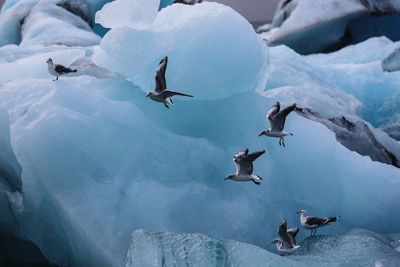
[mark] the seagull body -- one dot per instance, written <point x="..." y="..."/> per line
<point x="276" y="119"/>
<point x="287" y="241"/>
<point x="160" y="93"/>
<point x="243" y="161"/>
<point x="312" y="223"/>
<point x="57" y="70"/>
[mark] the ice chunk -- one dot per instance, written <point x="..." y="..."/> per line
<point x="356" y="248"/>
<point x="127" y="13"/>
<point x="10" y="22"/>
<point x="154" y="249"/>
<point x="164" y="3"/>
<point x="332" y="24"/>
<point x="195" y="38"/>
<point x="49" y="24"/>
<point x="392" y="61"/>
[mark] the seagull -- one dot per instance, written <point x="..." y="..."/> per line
<point x="276" y="119"/>
<point x="160" y="93"/>
<point x="312" y="223"/>
<point x="57" y="70"/>
<point x="244" y="167"/>
<point x="287" y="241"/>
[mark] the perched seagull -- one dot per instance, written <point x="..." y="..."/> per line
<point x="244" y="167"/>
<point x="287" y="241"/>
<point x="160" y="93"/>
<point x="276" y="119"/>
<point x="57" y="70"/>
<point x="312" y="223"/>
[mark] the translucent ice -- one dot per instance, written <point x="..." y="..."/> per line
<point x="392" y="61"/>
<point x="194" y="38"/>
<point x="135" y="14"/>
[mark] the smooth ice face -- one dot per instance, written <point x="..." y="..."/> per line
<point x="127" y="13"/>
<point x="332" y="24"/>
<point x="194" y="38"/>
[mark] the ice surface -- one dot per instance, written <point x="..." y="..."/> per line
<point x="194" y="38"/>
<point x="349" y="82"/>
<point x="356" y="248"/>
<point x="98" y="160"/>
<point x="332" y="24"/>
<point x="392" y="61"/>
<point x="49" y="24"/>
<point x="154" y="249"/>
<point x="127" y="13"/>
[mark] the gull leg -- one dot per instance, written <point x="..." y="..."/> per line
<point x="55" y="79"/>
<point x="280" y="141"/>
<point x="315" y="231"/>
<point x="165" y="104"/>
<point x="283" y="142"/>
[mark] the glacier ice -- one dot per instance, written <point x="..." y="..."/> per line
<point x="358" y="247"/>
<point x="370" y="93"/>
<point x="135" y="14"/>
<point x="392" y="61"/>
<point x="96" y="160"/>
<point x="136" y="53"/>
<point x="332" y="24"/>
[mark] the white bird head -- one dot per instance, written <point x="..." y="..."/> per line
<point x="229" y="177"/>
<point x="149" y="94"/>
<point x="265" y="132"/>
<point x="49" y="61"/>
<point x="302" y="212"/>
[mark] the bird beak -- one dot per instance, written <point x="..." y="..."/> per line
<point x="298" y="212"/>
<point x="260" y="134"/>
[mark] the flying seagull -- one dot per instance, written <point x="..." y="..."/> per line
<point x="244" y="167"/>
<point x="287" y="241"/>
<point x="57" y="70"/>
<point x="312" y="223"/>
<point x="160" y="93"/>
<point x="276" y="119"/>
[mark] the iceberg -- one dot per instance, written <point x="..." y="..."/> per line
<point x="331" y="24"/>
<point x="358" y="247"/>
<point x="392" y="61"/>
<point x="136" y="53"/>
<point x="88" y="160"/>
<point x="135" y="14"/>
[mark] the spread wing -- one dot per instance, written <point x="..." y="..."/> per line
<point x="272" y="112"/>
<point x="316" y="220"/>
<point x="286" y="237"/>
<point x="293" y="232"/>
<point x="253" y="156"/>
<point x="167" y="93"/>
<point x="61" y="69"/>
<point x="161" y="83"/>
<point x="278" y="122"/>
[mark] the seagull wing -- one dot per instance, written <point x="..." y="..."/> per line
<point x="245" y="166"/>
<point x="161" y="83"/>
<point x="61" y="69"/>
<point x="279" y="120"/>
<point x="253" y="156"/>
<point x="293" y="232"/>
<point x="316" y="220"/>
<point x="272" y="112"/>
<point x="286" y="237"/>
<point x="168" y="93"/>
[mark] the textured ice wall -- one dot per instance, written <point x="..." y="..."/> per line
<point x="332" y="24"/>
